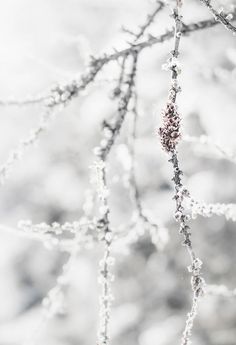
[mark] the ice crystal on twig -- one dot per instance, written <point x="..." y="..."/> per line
<point x="63" y="236"/>
<point x="208" y="210"/>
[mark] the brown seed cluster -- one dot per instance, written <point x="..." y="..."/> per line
<point x="170" y="131"/>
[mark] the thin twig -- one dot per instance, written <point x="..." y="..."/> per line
<point x="221" y="17"/>
<point x="158" y="233"/>
<point x="113" y="130"/>
<point x="149" y="20"/>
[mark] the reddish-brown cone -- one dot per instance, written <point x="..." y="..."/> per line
<point x="170" y="131"/>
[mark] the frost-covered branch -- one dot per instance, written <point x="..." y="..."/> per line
<point x="170" y="136"/>
<point x="208" y="210"/>
<point x="62" y="236"/>
<point x="30" y="100"/>
<point x="33" y="136"/>
<point x="72" y="236"/>
<point x="149" y="20"/>
<point x="153" y="40"/>
<point x="63" y="93"/>
<point x="158" y="232"/>
<point x="53" y="303"/>
<point x="220" y="16"/>
<point x="112" y="130"/>
<point x="59" y="98"/>
<point x="106" y="236"/>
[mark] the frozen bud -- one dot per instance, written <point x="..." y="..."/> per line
<point x="178" y="215"/>
<point x="107" y="132"/>
<point x="116" y="92"/>
<point x="197" y="285"/>
<point x="110" y="261"/>
<point x="222" y="11"/>
<point x="196" y="266"/>
<point x="229" y="17"/>
<point x="178" y="35"/>
<point x="187" y="217"/>
<point x="109" y="236"/>
<point x="103" y="143"/>
<point x="97" y="151"/>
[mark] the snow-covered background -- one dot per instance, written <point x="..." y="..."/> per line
<point x="43" y="42"/>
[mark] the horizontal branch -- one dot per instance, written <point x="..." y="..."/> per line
<point x="60" y="236"/>
<point x="208" y="210"/>
<point x="63" y="93"/>
<point x="208" y="141"/>
<point x="186" y="30"/>
<point x="30" y="100"/>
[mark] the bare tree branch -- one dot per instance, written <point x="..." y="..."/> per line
<point x="223" y="18"/>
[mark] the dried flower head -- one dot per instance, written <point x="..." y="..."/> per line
<point x="170" y="131"/>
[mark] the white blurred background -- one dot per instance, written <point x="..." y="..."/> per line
<point x="43" y="42"/>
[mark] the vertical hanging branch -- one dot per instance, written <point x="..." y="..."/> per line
<point x="105" y="233"/>
<point x="158" y="233"/>
<point x="111" y="131"/>
<point x="170" y="136"/>
<point x="124" y="91"/>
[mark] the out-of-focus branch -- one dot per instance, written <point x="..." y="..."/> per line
<point x="30" y="100"/>
<point x="61" y="236"/>
<point x="219" y="290"/>
<point x="17" y="153"/>
<point x="105" y="234"/>
<point x="158" y="233"/>
<point x="54" y="302"/>
<point x="111" y="131"/>
<point x="61" y="95"/>
<point x="206" y="140"/>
